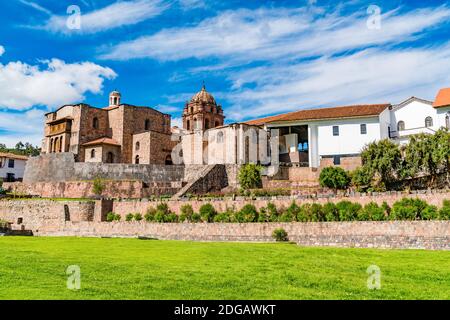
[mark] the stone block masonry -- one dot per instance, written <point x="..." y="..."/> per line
<point x="86" y="219"/>
<point x="433" y="235"/>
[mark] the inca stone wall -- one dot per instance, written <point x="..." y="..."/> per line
<point x="86" y="219"/>
<point x="433" y="235"/>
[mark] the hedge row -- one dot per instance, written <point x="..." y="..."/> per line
<point x="405" y="209"/>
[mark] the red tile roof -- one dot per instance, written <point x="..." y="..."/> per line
<point x="442" y="98"/>
<point x="13" y="156"/>
<point x="325" y="113"/>
<point x="102" y="141"/>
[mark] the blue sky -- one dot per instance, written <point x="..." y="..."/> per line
<point x="258" y="58"/>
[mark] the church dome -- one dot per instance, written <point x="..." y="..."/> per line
<point x="203" y="96"/>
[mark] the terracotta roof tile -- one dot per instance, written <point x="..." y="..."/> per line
<point x="13" y="156"/>
<point x="442" y="98"/>
<point x="102" y="141"/>
<point x="325" y="113"/>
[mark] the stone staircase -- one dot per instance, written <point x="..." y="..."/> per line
<point x="207" y="178"/>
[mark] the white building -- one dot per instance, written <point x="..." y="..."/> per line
<point x="316" y="137"/>
<point x="12" y="167"/>
<point x="336" y="136"/>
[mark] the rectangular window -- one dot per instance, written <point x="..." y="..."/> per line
<point x="363" y="129"/>
<point x="337" y="160"/>
<point x="335" y="130"/>
<point x="11" y="163"/>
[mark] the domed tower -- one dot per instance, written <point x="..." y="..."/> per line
<point x="114" y="98"/>
<point x="202" y="112"/>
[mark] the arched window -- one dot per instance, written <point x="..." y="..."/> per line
<point x="138" y="146"/>
<point x="188" y="125"/>
<point x="428" y="122"/>
<point x="220" y="137"/>
<point x="206" y="124"/>
<point x="52" y="146"/>
<point x="92" y="153"/>
<point x="401" y="126"/>
<point x="147" y="125"/>
<point x="169" y="161"/>
<point x="110" y="157"/>
<point x="136" y="160"/>
<point x="95" y="123"/>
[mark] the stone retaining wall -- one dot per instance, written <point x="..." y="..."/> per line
<point x="433" y="235"/>
<point x="124" y="207"/>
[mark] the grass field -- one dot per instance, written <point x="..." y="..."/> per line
<point x="34" y="268"/>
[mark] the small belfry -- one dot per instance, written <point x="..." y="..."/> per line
<point x="202" y="112"/>
<point x="114" y="98"/>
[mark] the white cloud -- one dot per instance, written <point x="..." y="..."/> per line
<point x="266" y="34"/>
<point x="36" y="6"/>
<point x="2" y="50"/>
<point x="52" y="83"/>
<point x="118" y="14"/>
<point x="167" y="108"/>
<point x="22" y="126"/>
<point x="370" y="76"/>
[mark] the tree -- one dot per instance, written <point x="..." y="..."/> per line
<point x="250" y="176"/>
<point x="335" y="178"/>
<point x="428" y="154"/>
<point x="383" y="159"/>
<point x="20" y="146"/>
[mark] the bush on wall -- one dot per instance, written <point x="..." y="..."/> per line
<point x="250" y="176"/>
<point x="208" y="212"/>
<point x="334" y="178"/>
<point x="280" y="235"/>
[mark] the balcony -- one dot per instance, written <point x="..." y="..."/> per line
<point x="409" y="132"/>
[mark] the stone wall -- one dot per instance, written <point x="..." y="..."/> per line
<point x="84" y="218"/>
<point x="116" y="189"/>
<point x="61" y="167"/>
<point x="395" y="234"/>
<point x="32" y="214"/>
<point x="124" y="207"/>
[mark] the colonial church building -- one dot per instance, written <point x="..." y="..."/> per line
<point x="118" y="133"/>
<point x="122" y="133"/>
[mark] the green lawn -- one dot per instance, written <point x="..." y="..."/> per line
<point x="34" y="268"/>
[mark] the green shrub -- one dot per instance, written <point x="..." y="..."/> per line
<point x="150" y="214"/>
<point x="137" y="216"/>
<point x="273" y="213"/>
<point x="362" y="178"/>
<point x="334" y="178"/>
<point x="186" y="213"/>
<point x="263" y="215"/>
<point x="444" y="213"/>
<point x="111" y="216"/>
<point x="372" y="212"/>
<point x="196" y="218"/>
<point x="348" y="211"/>
<point x="250" y="176"/>
<point x="223" y="217"/>
<point x="408" y="209"/>
<point x="171" y="218"/>
<point x="207" y="212"/>
<point x="163" y="208"/>
<point x="98" y="186"/>
<point x="129" y="217"/>
<point x="430" y="213"/>
<point x="280" y="235"/>
<point x="2" y="191"/>
<point x="287" y="216"/>
<point x="303" y="212"/>
<point x="248" y="213"/>
<point x="330" y="212"/>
